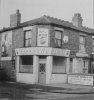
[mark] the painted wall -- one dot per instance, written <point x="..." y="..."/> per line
<point x="81" y="79"/>
<point x="25" y="78"/>
<point x="58" y="78"/>
<point x="79" y="64"/>
<point x="29" y="78"/>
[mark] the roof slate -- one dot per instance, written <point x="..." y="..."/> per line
<point x="54" y="21"/>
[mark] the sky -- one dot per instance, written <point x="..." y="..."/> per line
<point x="62" y="9"/>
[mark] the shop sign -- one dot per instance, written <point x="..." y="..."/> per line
<point x="65" y="39"/>
<point x="42" y="51"/>
<point x="42" y="39"/>
<point x="81" y="79"/>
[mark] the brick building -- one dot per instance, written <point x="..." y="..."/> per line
<point x="47" y="50"/>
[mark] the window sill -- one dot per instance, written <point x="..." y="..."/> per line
<point x="26" y="72"/>
<point x="58" y="73"/>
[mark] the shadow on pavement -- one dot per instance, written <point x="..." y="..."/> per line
<point x="19" y="91"/>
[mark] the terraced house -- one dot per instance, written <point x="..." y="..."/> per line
<point x="47" y="50"/>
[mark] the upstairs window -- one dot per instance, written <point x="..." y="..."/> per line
<point x="93" y="45"/>
<point x="82" y="43"/>
<point x="27" y="38"/>
<point x="58" y="38"/>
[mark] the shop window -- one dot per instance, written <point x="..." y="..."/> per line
<point x="85" y="69"/>
<point x="82" y="43"/>
<point x="26" y="64"/>
<point x="27" y="38"/>
<point x="58" y="38"/>
<point x="59" y="66"/>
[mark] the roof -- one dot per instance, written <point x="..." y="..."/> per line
<point x="52" y="21"/>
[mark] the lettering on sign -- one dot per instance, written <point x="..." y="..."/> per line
<point x="42" y="51"/>
<point x="80" y="79"/>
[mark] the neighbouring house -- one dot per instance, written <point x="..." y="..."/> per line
<point x="48" y="50"/>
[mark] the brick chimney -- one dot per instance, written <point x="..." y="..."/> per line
<point x="15" y="19"/>
<point x="77" y="20"/>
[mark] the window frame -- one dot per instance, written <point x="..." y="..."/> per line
<point x="30" y="38"/>
<point x="57" y="39"/>
<point x="82" y="43"/>
<point x="21" y="65"/>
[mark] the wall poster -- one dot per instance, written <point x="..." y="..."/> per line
<point x="42" y="39"/>
<point x="6" y="45"/>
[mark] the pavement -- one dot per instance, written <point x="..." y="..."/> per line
<point x="72" y="88"/>
<point x="59" y="88"/>
<point x="52" y="88"/>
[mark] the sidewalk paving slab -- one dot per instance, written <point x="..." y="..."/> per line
<point x="54" y="88"/>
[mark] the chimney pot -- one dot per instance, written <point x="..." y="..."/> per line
<point x="77" y="20"/>
<point x="15" y="19"/>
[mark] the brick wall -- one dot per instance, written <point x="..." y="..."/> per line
<point x="17" y="39"/>
<point x="18" y="42"/>
<point x="88" y="44"/>
<point x="73" y="41"/>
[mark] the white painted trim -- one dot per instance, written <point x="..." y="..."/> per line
<point x="83" y="34"/>
<point x="81" y="54"/>
<point x="35" y="67"/>
<point x="6" y="58"/>
<point x="57" y="28"/>
<point x="49" y="66"/>
<point x="27" y="28"/>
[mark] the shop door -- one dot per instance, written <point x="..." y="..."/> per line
<point x="42" y="73"/>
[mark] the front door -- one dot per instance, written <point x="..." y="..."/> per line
<point x="42" y="73"/>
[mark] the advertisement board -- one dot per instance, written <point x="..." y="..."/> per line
<point x="42" y="39"/>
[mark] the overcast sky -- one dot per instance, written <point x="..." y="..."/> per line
<point x="62" y="9"/>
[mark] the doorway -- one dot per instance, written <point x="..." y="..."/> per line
<point x="42" y="72"/>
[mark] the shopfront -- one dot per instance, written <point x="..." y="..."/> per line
<point x="42" y="65"/>
<point x="81" y="72"/>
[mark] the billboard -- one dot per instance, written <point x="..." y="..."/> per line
<point x="42" y="39"/>
<point x="6" y="45"/>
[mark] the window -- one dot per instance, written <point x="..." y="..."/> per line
<point x="93" y="45"/>
<point x="58" y="38"/>
<point x="27" y="38"/>
<point x="91" y="68"/>
<point x="59" y="66"/>
<point x="82" y="43"/>
<point x="85" y="69"/>
<point x="26" y="64"/>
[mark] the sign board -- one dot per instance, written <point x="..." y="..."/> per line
<point x="6" y="45"/>
<point x="65" y="39"/>
<point x="42" y="39"/>
<point x="42" y="51"/>
<point x="81" y="79"/>
<point x="81" y="54"/>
